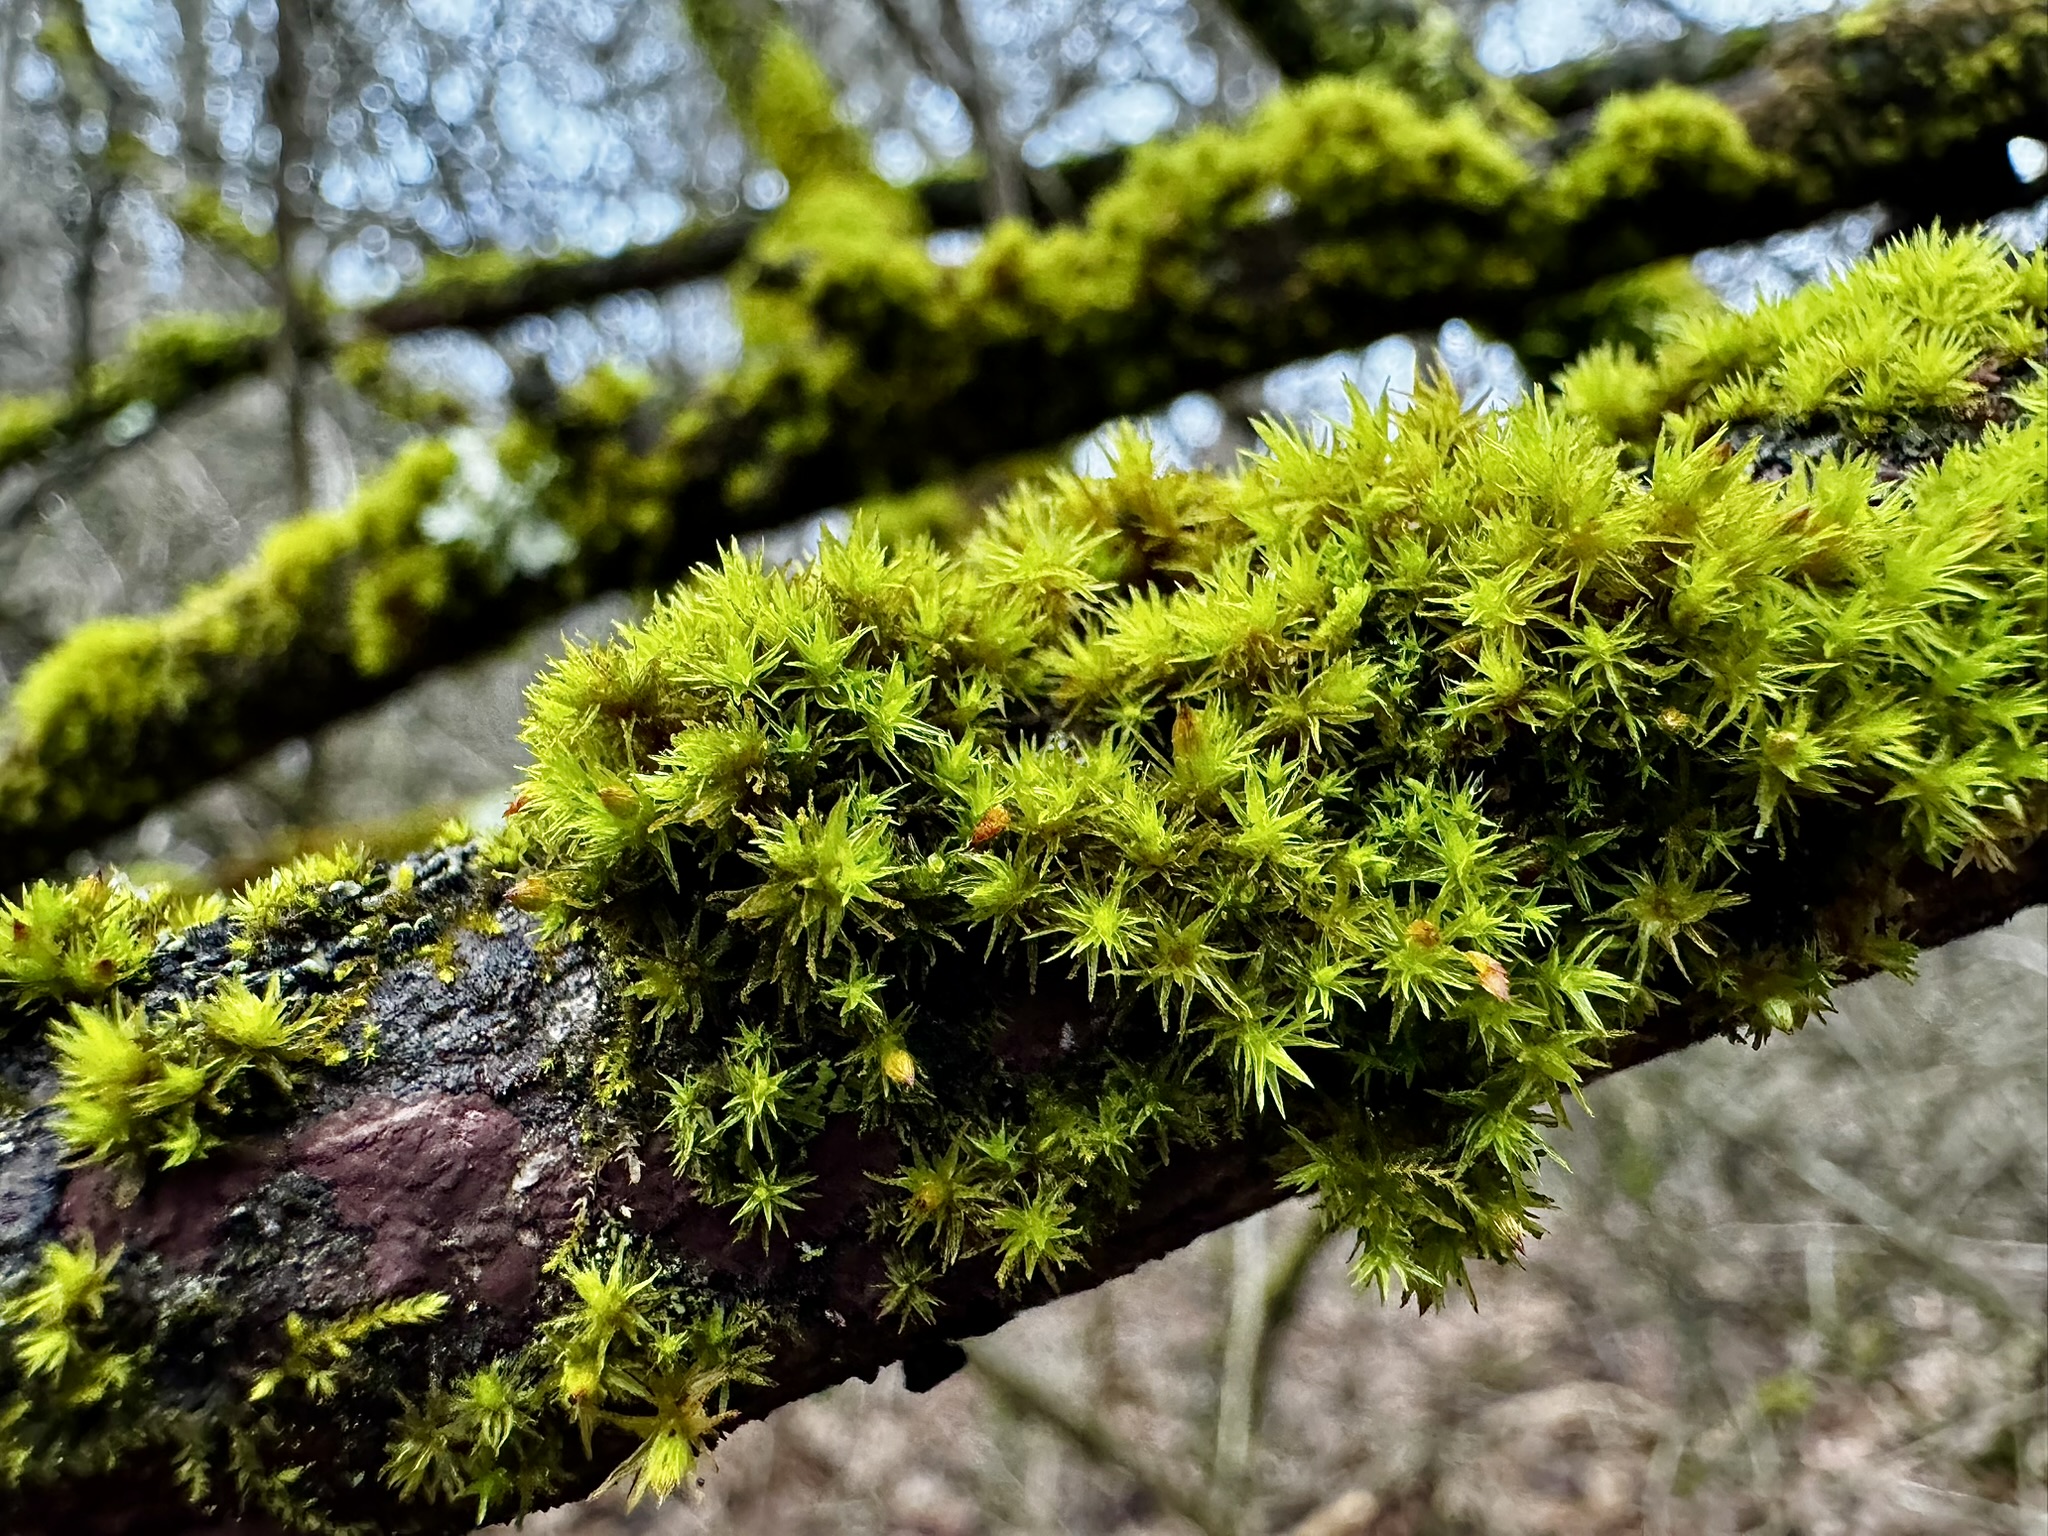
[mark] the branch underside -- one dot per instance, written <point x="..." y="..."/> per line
<point x="452" y="1162"/>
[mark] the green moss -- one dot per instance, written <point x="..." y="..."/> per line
<point x="366" y="367"/>
<point x="67" y="1390"/>
<point x="268" y="904"/>
<point x="138" y="1091"/>
<point x="163" y="363"/>
<point x="201" y="214"/>
<point x="1436" y="758"/>
<point x="1355" y="807"/>
<point x="76" y="943"/>
<point x="871" y="367"/>
<point x="627" y="1352"/>
<point x="1936" y="327"/>
<point x="317" y="1353"/>
<point x="84" y="741"/>
<point x="1651" y="139"/>
<point x="1630" y="315"/>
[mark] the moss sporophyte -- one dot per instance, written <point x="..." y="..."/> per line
<point x="1350" y="810"/>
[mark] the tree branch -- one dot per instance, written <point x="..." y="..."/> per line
<point x="877" y="949"/>
<point x="1209" y="260"/>
<point x="446" y="1162"/>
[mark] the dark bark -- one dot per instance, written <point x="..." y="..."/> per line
<point x="453" y="1161"/>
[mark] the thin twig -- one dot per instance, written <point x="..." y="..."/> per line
<point x="1098" y="1442"/>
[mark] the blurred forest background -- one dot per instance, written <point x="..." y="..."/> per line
<point x="1801" y="1292"/>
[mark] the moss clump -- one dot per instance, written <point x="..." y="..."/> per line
<point x="1938" y="328"/>
<point x="317" y="1353"/>
<point x="67" y="1390"/>
<point x="296" y="890"/>
<point x="1629" y="316"/>
<point x="871" y="367"/>
<point x="1380" y="789"/>
<point x="137" y="1090"/>
<point x="1348" y="811"/>
<point x="628" y="1352"/>
<point x="164" y="363"/>
<point x="75" y="943"/>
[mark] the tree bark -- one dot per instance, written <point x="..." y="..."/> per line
<point x="450" y="1162"/>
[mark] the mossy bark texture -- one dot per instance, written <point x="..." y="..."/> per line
<point x="876" y="948"/>
<point x="453" y="1164"/>
<point x="1343" y="212"/>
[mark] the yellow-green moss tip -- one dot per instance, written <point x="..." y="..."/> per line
<point x="138" y="1091"/>
<point x="63" y="944"/>
<point x="1937" y="326"/>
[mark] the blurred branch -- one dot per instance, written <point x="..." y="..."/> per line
<point x="91" y="89"/>
<point x="494" y="289"/>
<point x="1697" y="56"/>
<point x="1931" y="1248"/>
<point x="1419" y="45"/>
<point x="947" y="57"/>
<point x="1263" y="1295"/>
<point x="1283" y="1294"/>
<point x="297" y="333"/>
<point x="1244" y="1328"/>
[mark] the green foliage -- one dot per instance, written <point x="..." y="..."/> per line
<point x="273" y="901"/>
<point x="317" y="1352"/>
<point x="137" y="1090"/>
<point x="64" y="1385"/>
<point x="485" y="1438"/>
<point x="1936" y="327"/>
<point x="1394" y="781"/>
<point x="872" y="366"/>
<point x="1349" y="810"/>
<point x="626" y="1352"/>
<point x="75" y="943"/>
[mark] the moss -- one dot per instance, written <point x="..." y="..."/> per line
<point x="366" y="367"/>
<point x="163" y="363"/>
<point x="626" y="1353"/>
<point x="85" y="732"/>
<point x="1437" y="758"/>
<point x="871" y="368"/>
<point x="317" y="1353"/>
<point x="68" y="1393"/>
<point x="138" y="1091"/>
<point x="1940" y="327"/>
<point x="201" y="214"/>
<point x="268" y="904"/>
<point x="1629" y="315"/>
<point x="1357" y="806"/>
<point x="1652" y="139"/>
<point x="76" y="943"/>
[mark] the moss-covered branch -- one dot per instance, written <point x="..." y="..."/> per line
<point x="164" y="365"/>
<point x="876" y="948"/>
<point x="1342" y="212"/>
